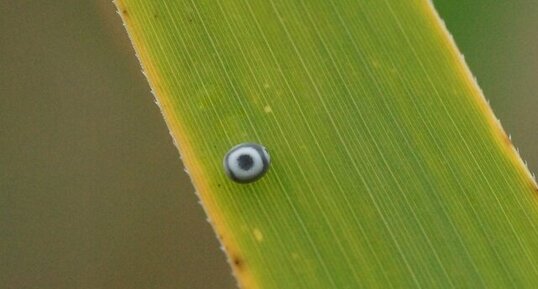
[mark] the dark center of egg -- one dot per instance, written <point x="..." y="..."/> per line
<point x="245" y="162"/>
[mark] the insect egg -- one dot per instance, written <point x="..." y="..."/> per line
<point x="246" y="162"/>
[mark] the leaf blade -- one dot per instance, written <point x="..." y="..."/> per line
<point x="381" y="141"/>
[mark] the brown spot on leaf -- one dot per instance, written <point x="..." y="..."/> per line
<point x="238" y="262"/>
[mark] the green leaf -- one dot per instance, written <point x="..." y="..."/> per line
<point x="388" y="168"/>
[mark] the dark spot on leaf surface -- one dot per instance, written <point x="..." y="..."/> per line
<point x="238" y="262"/>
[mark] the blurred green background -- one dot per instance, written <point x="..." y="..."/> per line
<point x="92" y="191"/>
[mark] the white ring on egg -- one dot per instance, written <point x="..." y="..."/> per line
<point x="246" y="162"/>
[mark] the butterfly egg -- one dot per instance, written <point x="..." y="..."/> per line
<point x="246" y="162"/>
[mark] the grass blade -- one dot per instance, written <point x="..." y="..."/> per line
<point x="388" y="169"/>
